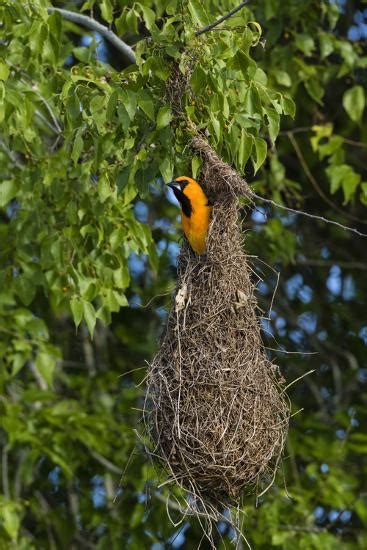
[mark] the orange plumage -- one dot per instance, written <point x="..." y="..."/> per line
<point x="196" y="211"/>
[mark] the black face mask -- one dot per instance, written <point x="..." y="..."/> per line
<point x="182" y="199"/>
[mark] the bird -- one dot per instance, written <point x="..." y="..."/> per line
<point x="196" y="211"/>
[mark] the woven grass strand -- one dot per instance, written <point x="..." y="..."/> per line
<point x="215" y="411"/>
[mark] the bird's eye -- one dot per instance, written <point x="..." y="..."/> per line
<point x="183" y="184"/>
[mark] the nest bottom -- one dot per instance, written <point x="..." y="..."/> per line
<point x="222" y="431"/>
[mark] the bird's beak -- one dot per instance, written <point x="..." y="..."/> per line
<point x="172" y="184"/>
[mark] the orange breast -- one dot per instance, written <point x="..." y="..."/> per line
<point x="196" y="228"/>
<point x="196" y="225"/>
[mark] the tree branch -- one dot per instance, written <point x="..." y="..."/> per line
<point x="106" y="463"/>
<point x="307" y="215"/>
<point x="93" y="25"/>
<point x="315" y="262"/>
<point x="302" y="529"/>
<point x="11" y="154"/>
<point x="221" y="19"/>
<point x="355" y="143"/>
<point x="41" y="382"/>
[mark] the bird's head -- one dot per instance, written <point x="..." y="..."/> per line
<point x="178" y="186"/>
<point x="189" y="194"/>
<point x="180" y="183"/>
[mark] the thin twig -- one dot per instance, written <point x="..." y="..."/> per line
<point x="52" y="114"/>
<point x="73" y="499"/>
<point x="88" y="352"/>
<point x="46" y="122"/>
<point x="11" y="154"/>
<point x="297" y="379"/>
<point x="306" y="129"/>
<point x="221" y="19"/>
<point x="41" y="382"/>
<point x="105" y="462"/>
<point x="300" y="130"/>
<point x="94" y="25"/>
<point x="315" y="262"/>
<point x="307" y="215"/>
<point x="302" y="529"/>
<point x="355" y="143"/>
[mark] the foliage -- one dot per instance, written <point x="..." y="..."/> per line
<point x="85" y="227"/>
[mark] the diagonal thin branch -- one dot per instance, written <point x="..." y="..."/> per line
<point x="307" y="215"/>
<point x="316" y="262"/>
<point x="12" y="155"/>
<point x="221" y="19"/>
<point x="94" y="25"/>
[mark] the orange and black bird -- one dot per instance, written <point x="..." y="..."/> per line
<point x="196" y="211"/>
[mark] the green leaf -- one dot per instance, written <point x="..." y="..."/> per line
<point x="252" y="101"/>
<point x="89" y="316"/>
<point x="4" y="71"/>
<point x="363" y="196"/>
<point x="245" y="148"/>
<point x="349" y="185"/>
<point x="10" y="515"/>
<point x="305" y="43"/>
<point x="83" y="54"/>
<point x="354" y="102"/>
<point x="288" y="106"/>
<point x="198" y="15"/>
<point x="121" y="277"/>
<point x="198" y="79"/>
<point x="283" y="78"/>
<point x="25" y="288"/>
<point x="130" y="101"/>
<point x="45" y="364"/>
<point x="166" y="169"/>
<point x="8" y="190"/>
<point x="216" y="126"/>
<point x="273" y="123"/>
<point x="104" y="188"/>
<point x="149" y="18"/>
<point x="76" y="307"/>
<point x="327" y="44"/>
<point x="122" y="178"/>
<point x="331" y="147"/>
<point x="321" y="131"/>
<point x="145" y="102"/>
<point x="164" y="117"/>
<point x="111" y="106"/>
<point x="343" y="176"/>
<point x="145" y="176"/>
<point x="73" y="107"/>
<point x="261" y="150"/>
<point x="77" y="146"/>
<point x="106" y="10"/>
<point x="315" y="89"/>
<point x="196" y="163"/>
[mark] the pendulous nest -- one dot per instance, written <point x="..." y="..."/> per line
<point x="215" y="409"/>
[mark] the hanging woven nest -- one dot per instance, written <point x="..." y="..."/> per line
<point x="215" y="410"/>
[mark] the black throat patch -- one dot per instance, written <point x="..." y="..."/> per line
<point x="184" y="201"/>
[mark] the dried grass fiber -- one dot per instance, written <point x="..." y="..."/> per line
<point x="215" y="410"/>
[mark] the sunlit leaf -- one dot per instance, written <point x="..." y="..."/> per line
<point x="354" y="102"/>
